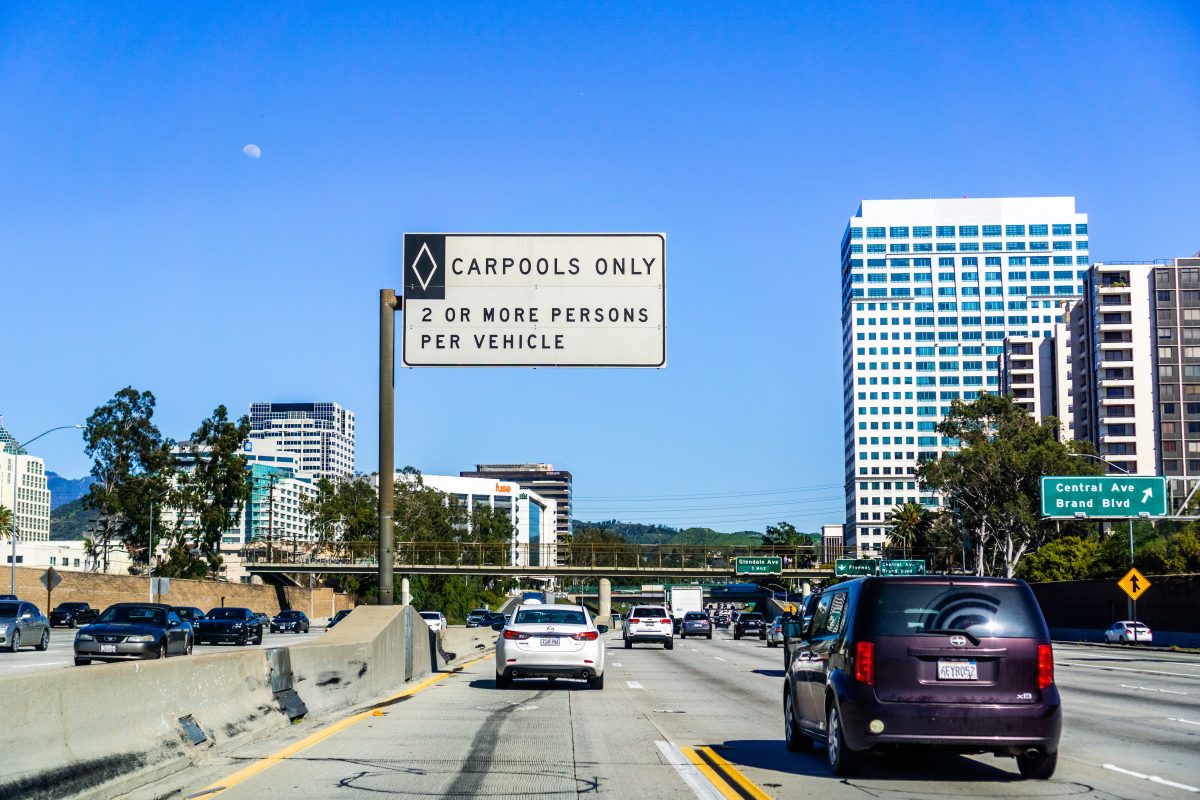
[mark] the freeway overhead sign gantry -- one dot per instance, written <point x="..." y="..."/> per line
<point x="1103" y="496"/>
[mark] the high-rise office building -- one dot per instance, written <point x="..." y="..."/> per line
<point x="544" y="479"/>
<point x="930" y="291"/>
<point x="24" y="475"/>
<point x="321" y="435"/>
<point x="1130" y="355"/>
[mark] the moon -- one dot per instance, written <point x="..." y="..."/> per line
<point x="252" y="151"/>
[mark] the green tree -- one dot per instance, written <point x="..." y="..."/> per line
<point x="346" y="509"/>
<point x="785" y="535"/>
<point x="940" y="543"/>
<point x="906" y="523"/>
<point x="132" y="464"/>
<point x="991" y="483"/>
<point x="1067" y="558"/>
<point x="6" y="520"/>
<point x="210" y="497"/>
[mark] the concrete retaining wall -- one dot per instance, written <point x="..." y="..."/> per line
<point x="94" y="732"/>
<point x="103" y="590"/>
<point x="467" y="643"/>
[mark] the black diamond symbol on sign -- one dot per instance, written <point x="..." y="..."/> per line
<point x="424" y="266"/>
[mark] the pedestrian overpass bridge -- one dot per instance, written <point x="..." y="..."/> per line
<point x="564" y="560"/>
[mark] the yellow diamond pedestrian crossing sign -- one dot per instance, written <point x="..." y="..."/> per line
<point x="1134" y="584"/>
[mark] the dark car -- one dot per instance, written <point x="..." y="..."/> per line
<point x="956" y="663"/>
<point x="338" y="617"/>
<point x="695" y="623"/>
<point x="294" y="621"/>
<point x="721" y="620"/>
<point x="750" y="623"/>
<point x="238" y="625"/>
<point x="131" y="631"/>
<point x="71" y="615"/>
<point x="476" y="618"/>
<point x="492" y="618"/>
<point x="188" y="613"/>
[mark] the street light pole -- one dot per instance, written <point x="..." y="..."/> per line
<point x="13" y="532"/>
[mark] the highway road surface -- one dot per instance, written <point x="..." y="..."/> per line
<point x="1132" y="730"/>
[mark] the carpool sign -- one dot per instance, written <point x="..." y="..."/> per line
<point x="1103" y="496"/>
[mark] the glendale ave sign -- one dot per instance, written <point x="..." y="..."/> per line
<point x="758" y="565"/>
<point x="534" y="300"/>
<point x="1103" y="497"/>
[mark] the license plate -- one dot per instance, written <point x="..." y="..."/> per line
<point x="549" y="641"/>
<point x="957" y="670"/>
<point x="108" y="648"/>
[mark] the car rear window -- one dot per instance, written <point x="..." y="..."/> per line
<point x="751" y="616"/>
<point x="648" y="611"/>
<point x="550" y="616"/>
<point x="695" y="615"/>
<point x="998" y="611"/>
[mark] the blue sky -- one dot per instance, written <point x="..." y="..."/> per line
<point x="138" y="245"/>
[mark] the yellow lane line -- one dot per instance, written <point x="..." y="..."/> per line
<point x="318" y="736"/>
<point x="721" y="786"/>
<point x="748" y="786"/>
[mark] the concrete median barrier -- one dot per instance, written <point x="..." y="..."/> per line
<point x="96" y="732"/>
<point x="460" y="644"/>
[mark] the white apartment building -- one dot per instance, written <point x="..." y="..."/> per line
<point x="320" y="435"/>
<point x="24" y="476"/>
<point x="930" y="291"/>
<point x="68" y="555"/>
<point x="535" y="536"/>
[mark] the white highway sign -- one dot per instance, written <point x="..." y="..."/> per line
<point x="534" y="300"/>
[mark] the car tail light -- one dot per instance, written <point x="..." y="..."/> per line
<point x="864" y="663"/>
<point x="665" y="621"/>
<point x="1045" y="666"/>
<point x="516" y="635"/>
<point x="586" y="636"/>
<point x="634" y="621"/>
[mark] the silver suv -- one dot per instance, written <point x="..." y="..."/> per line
<point x="649" y="624"/>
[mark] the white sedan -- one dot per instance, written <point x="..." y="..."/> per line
<point x="550" y="641"/>
<point x="1128" y="632"/>
<point x="436" y="620"/>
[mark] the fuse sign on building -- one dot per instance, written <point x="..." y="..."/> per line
<point x="534" y="300"/>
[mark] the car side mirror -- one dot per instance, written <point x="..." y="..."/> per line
<point x="602" y="628"/>
<point x="498" y="626"/>
<point x="27" y="615"/>
<point x="173" y="623"/>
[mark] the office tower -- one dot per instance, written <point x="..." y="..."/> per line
<point x="930" y="291"/>
<point x="321" y="435"/>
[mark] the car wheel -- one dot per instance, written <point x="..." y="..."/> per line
<point x="503" y="681"/>
<point x="1123" y="640"/>
<point x="15" y="642"/>
<point x="45" y="642"/>
<point x="628" y="645"/>
<point x="243" y="639"/>
<point x="770" y="643"/>
<point x="162" y="649"/>
<point x="71" y="624"/>
<point x="669" y="644"/>
<point x="82" y="662"/>
<point x="797" y="742"/>
<point x="683" y="636"/>
<point x="1040" y="767"/>
<point x="596" y="682"/>
<point x="842" y="760"/>
<point x="188" y="645"/>
<point x="258" y="639"/>
<point x="736" y="635"/>
<point x="709" y="635"/>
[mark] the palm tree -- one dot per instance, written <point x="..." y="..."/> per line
<point x="906" y="522"/>
<point x="6" y="520"/>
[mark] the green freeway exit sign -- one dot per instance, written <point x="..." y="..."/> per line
<point x="1103" y="496"/>
<point x="855" y="566"/>
<point x="758" y="565"/>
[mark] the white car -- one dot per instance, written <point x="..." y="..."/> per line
<point x="436" y="620"/>
<point x="550" y="641"/>
<point x="1124" y="633"/>
<point x="649" y="624"/>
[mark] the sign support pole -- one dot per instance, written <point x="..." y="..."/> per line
<point x="388" y="305"/>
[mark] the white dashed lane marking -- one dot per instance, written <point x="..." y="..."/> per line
<point x="634" y="685"/>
